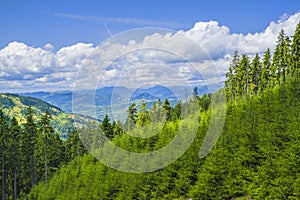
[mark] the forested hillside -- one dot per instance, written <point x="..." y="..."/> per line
<point x="32" y="152"/>
<point x="256" y="156"/>
<point x="16" y="106"/>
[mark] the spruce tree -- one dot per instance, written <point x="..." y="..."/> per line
<point x="255" y="75"/>
<point x="243" y="75"/>
<point x="106" y="127"/>
<point x="143" y="117"/>
<point x="266" y="70"/>
<point x="132" y="115"/>
<point x="167" y="107"/>
<point x="286" y="65"/>
<point x="279" y="60"/>
<point x="4" y="141"/>
<point x="45" y="132"/>
<point x="295" y="51"/>
<point x="28" y="143"/>
<point x="14" y="155"/>
<point x="73" y="145"/>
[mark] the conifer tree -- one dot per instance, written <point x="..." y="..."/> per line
<point x="132" y="115"/>
<point x="73" y="145"/>
<point x="279" y="58"/>
<point x="295" y="51"/>
<point x="28" y="143"/>
<point x="255" y="74"/>
<point x="107" y="128"/>
<point x="266" y="70"/>
<point x="232" y="74"/>
<point x="286" y="65"/>
<point x="4" y="141"/>
<point x="14" y="155"/>
<point x="167" y="107"/>
<point x="45" y="133"/>
<point x="143" y="117"/>
<point x="243" y="75"/>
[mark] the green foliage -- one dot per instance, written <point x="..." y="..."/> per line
<point x="244" y="78"/>
<point x="143" y="117"/>
<point x="39" y="104"/>
<point x="256" y="156"/>
<point x="107" y="128"/>
<point x="16" y="105"/>
<point x="6" y="102"/>
<point x="31" y="153"/>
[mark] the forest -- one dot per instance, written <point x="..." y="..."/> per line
<point x="256" y="157"/>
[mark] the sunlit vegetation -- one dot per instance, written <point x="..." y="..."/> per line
<point x="256" y="156"/>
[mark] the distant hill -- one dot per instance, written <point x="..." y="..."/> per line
<point x="62" y="100"/>
<point x="17" y="105"/>
<point x="119" y="94"/>
<point x="145" y="96"/>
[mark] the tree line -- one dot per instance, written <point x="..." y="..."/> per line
<point x="250" y="77"/>
<point x="142" y="116"/>
<point x="32" y="152"/>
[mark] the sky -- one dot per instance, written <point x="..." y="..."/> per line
<point x="55" y="45"/>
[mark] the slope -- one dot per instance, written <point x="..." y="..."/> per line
<point x="256" y="157"/>
<point x="16" y="105"/>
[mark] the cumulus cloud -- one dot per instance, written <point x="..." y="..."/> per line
<point x="136" y="57"/>
<point x="48" y="46"/>
<point x="218" y="41"/>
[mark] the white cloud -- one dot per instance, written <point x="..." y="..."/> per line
<point x="152" y="55"/>
<point x="218" y="41"/>
<point x="48" y="46"/>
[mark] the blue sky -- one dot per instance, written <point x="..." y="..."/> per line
<point x="49" y="45"/>
<point x="37" y="22"/>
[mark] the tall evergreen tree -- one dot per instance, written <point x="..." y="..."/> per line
<point x="157" y="113"/>
<point x="266" y="70"/>
<point x="4" y="141"/>
<point x="295" y="51"/>
<point x="176" y="112"/>
<point x="73" y="145"/>
<point x="167" y="107"/>
<point x="45" y="132"/>
<point x="279" y="59"/>
<point x="232" y="75"/>
<point x="255" y="74"/>
<point x="14" y="155"/>
<point x="106" y="127"/>
<point x="28" y="143"/>
<point x="132" y="116"/>
<point x="286" y="65"/>
<point x="243" y="75"/>
<point x="143" y="117"/>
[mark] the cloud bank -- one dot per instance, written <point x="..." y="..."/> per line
<point x="26" y="68"/>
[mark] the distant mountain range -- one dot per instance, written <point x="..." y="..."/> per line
<point x="106" y="96"/>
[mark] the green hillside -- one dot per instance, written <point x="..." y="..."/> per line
<point x="16" y="106"/>
<point x="256" y="157"/>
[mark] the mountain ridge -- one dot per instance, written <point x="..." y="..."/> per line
<point x="105" y="95"/>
